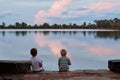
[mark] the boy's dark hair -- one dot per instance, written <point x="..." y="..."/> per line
<point x="33" y="51"/>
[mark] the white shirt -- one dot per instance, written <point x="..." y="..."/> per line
<point x="35" y="64"/>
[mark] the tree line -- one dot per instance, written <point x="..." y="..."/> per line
<point x="98" y="24"/>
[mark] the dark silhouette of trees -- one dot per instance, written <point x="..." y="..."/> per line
<point x="24" y="25"/>
<point x="3" y="25"/>
<point x="18" y="25"/>
<point x="45" y="25"/>
<point x="108" y="24"/>
<point x="99" y="24"/>
<point x="55" y="26"/>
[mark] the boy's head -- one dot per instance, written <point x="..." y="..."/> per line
<point x="33" y="52"/>
<point x="63" y="52"/>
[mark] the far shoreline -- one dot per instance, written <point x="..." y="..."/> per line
<point x="58" y="29"/>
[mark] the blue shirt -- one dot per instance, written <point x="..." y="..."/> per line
<point x="63" y="63"/>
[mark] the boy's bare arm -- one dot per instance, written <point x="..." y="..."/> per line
<point x="40" y="64"/>
<point x="58" y="62"/>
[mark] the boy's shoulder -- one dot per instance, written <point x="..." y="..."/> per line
<point x="63" y="58"/>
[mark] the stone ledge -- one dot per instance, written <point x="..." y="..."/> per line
<point x="71" y="75"/>
<point x="114" y="65"/>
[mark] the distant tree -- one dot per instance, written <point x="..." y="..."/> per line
<point x="84" y="24"/>
<point x="35" y="26"/>
<point x="29" y="26"/>
<point x="55" y="26"/>
<point x="74" y="26"/>
<point x="0" y="26"/>
<point x="99" y="24"/>
<point x="18" y="25"/>
<point x="46" y="25"/>
<point x="24" y="25"/>
<point x="116" y="20"/>
<point x="109" y="24"/>
<point x="64" y="26"/>
<point x="3" y="24"/>
<point x="11" y="26"/>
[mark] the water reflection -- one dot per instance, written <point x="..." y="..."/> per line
<point x="16" y="33"/>
<point x="105" y="34"/>
<point x="84" y="47"/>
<point x="54" y="45"/>
<point x="103" y="50"/>
<point x="97" y="34"/>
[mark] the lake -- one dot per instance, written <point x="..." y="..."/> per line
<point x="87" y="49"/>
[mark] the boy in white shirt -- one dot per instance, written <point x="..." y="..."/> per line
<point x="35" y="61"/>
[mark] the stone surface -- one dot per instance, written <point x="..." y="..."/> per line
<point x="90" y="78"/>
<point x="71" y="75"/>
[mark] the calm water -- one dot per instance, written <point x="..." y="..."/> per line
<point x="86" y="49"/>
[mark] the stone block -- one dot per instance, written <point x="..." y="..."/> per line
<point x="114" y="65"/>
<point x="7" y="66"/>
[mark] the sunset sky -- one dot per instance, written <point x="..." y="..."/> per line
<point x="57" y="11"/>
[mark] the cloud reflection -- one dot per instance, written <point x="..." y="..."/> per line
<point x="94" y="49"/>
<point x="54" y="45"/>
<point x="102" y="50"/>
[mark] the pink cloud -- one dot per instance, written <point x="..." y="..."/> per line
<point x="56" y="9"/>
<point x="100" y="5"/>
<point x="102" y="50"/>
<point x="103" y="5"/>
<point x="41" y="17"/>
<point x="54" y="45"/>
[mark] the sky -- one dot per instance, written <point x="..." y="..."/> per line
<point x="57" y="11"/>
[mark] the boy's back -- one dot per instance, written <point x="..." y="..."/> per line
<point x="63" y="62"/>
<point x="64" y="66"/>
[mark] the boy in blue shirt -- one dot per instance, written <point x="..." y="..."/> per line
<point x="63" y="61"/>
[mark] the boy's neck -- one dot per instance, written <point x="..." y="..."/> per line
<point x="63" y="56"/>
<point x="33" y="56"/>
